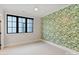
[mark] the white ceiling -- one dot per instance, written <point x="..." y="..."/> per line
<point x="43" y="9"/>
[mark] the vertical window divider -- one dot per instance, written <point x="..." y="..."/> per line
<point x="7" y="23"/>
<point x="32" y="25"/>
<point x="17" y="25"/>
<point x="26" y="25"/>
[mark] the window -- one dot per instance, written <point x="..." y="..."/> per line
<point x="21" y="24"/>
<point x="11" y="24"/>
<point x="18" y="24"/>
<point x="29" y="25"/>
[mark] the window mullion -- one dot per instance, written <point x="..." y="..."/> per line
<point x="26" y="25"/>
<point x="17" y="25"/>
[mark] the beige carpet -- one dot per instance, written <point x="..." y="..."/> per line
<point x="39" y="48"/>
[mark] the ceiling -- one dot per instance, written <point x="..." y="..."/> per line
<point x="43" y="9"/>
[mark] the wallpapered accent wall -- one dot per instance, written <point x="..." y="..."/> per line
<point x="62" y="27"/>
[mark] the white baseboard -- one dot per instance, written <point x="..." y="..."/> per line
<point x="68" y="51"/>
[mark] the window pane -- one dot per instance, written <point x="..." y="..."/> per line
<point x="20" y="24"/>
<point x="14" y="24"/>
<point x="29" y="20"/>
<point x="14" y="30"/>
<point x="9" y="18"/>
<point x="24" y="29"/>
<point x="14" y="19"/>
<point x="29" y="29"/>
<point x="29" y="25"/>
<point x="21" y="29"/>
<point x="24" y="25"/>
<point x="9" y="24"/>
<point x="9" y="30"/>
<point x="23" y="20"/>
<point x="20" y="20"/>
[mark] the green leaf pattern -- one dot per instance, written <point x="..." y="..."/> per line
<point x="62" y="27"/>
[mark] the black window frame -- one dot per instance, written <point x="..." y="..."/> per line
<point x="17" y="24"/>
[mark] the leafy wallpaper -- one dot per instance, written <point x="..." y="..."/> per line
<point x="62" y="27"/>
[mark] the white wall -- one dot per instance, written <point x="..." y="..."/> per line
<point x="2" y="26"/>
<point x="20" y="38"/>
<point x="0" y="30"/>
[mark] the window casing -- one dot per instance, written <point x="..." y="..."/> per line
<point x="19" y="24"/>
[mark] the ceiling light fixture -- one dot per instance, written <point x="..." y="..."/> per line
<point x="35" y="9"/>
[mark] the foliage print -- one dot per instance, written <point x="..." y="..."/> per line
<point x="62" y="27"/>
